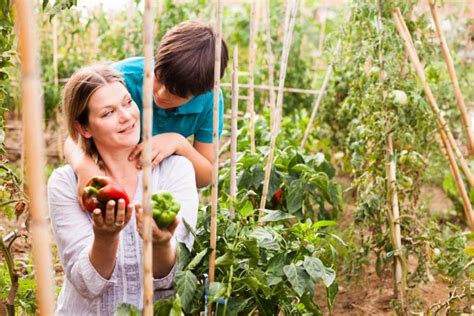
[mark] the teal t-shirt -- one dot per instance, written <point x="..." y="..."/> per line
<point x="192" y="118"/>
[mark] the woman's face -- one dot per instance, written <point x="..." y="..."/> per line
<point x="164" y="99"/>
<point x="114" y="119"/>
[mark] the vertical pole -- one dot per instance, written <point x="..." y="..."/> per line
<point x="270" y="60"/>
<point x="146" y="158"/>
<point x="33" y="118"/>
<point x="290" y="18"/>
<point x="215" y="143"/>
<point x="233" y="134"/>
<point x="251" y="91"/>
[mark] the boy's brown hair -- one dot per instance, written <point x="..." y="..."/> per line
<point x="184" y="61"/>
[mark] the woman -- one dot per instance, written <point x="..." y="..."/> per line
<point x="102" y="256"/>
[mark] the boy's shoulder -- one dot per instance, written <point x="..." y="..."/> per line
<point x="128" y="66"/>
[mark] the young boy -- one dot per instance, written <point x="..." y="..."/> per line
<point x="183" y="101"/>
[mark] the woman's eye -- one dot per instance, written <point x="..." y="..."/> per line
<point x="107" y="113"/>
<point x="129" y="102"/>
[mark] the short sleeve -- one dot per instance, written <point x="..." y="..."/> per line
<point x="204" y="132"/>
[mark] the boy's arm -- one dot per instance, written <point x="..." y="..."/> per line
<point x="83" y="165"/>
<point x="167" y="144"/>
<point x="201" y="156"/>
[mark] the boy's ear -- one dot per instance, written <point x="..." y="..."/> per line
<point x="82" y="130"/>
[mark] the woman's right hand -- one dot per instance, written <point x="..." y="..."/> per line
<point x="113" y="222"/>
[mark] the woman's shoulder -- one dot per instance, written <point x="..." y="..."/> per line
<point x="62" y="178"/>
<point x="174" y="165"/>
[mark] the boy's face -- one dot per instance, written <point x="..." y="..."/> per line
<point x="164" y="99"/>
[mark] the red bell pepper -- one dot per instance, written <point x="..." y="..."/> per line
<point x="99" y="190"/>
<point x="278" y="196"/>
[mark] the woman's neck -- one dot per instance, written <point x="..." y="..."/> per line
<point x="117" y="165"/>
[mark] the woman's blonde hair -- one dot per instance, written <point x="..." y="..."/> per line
<point x="77" y="92"/>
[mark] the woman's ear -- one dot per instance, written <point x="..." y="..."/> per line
<point x="82" y="130"/>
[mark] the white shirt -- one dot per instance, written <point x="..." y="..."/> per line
<point x="85" y="291"/>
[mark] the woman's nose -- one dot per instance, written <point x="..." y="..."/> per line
<point x="125" y="115"/>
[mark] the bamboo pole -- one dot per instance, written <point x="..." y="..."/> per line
<point x="33" y="118"/>
<point x="290" y="18"/>
<point x="456" y="174"/>
<point x="399" y="272"/>
<point x="320" y="97"/>
<point x="55" y="50"/>
<point x="272" y="88"/>
<point x="454" y="78"/>
<point x="404" y="33"/>
<point x="322" y="33"/>
<point x="270" y="60"/>
<point x="233" y="133"/>
<point x="394" y="221"/>
<point x="60" y="140"/>
<point x="251" y="91"/>
<point x="148" y="78"/>
<point x="215" y="144"/>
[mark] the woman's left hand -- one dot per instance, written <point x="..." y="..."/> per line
<point x="161" y="237"/>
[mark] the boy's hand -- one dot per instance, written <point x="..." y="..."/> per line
<point x="163" y="146"/>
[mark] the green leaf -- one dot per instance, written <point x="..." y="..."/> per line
<point x="295" y="196"/>
<point x="246" y="210"/>
<point x="297" y="277"/>
<point x="216" y="290"/>
<point x="236" y="305"/>
<point x="324" y="224"/>
<point x="225" y="260"/>
<point x="183" y="255"/>
<point x="265" y="238"/>
<point x="274" y="184"/>
<point x="273" y="280"/>
<point x="162" y="307"/>
<point x="274" y="216"/>
<point x="196" y="260"/>
<point x="251" y="246"/>
<point x="186" y="283"/>
<point x="317" y="270"/>
<point x="125" y="309"/>
<point x="276" y="264"/>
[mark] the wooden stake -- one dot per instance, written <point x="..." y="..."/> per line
<point x="291" y="12"/>
<point x="270" y="60"/>
<point x="393" y="211"/>
<point x="55" y="51"/>
<point x="251" y="92"/>
<point x="404" y="33"/>
<point x="33" y="119"/>
<point x="320" y="97"/>
<point x="215" y="134"/>
<point x="394" y="221"/>
<point x="467" y="207"/>
<point x="322" y="32"/>
<point x="454" y="78"/>
<point x="148" y="78"/>
<point x="233" y="134"/>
